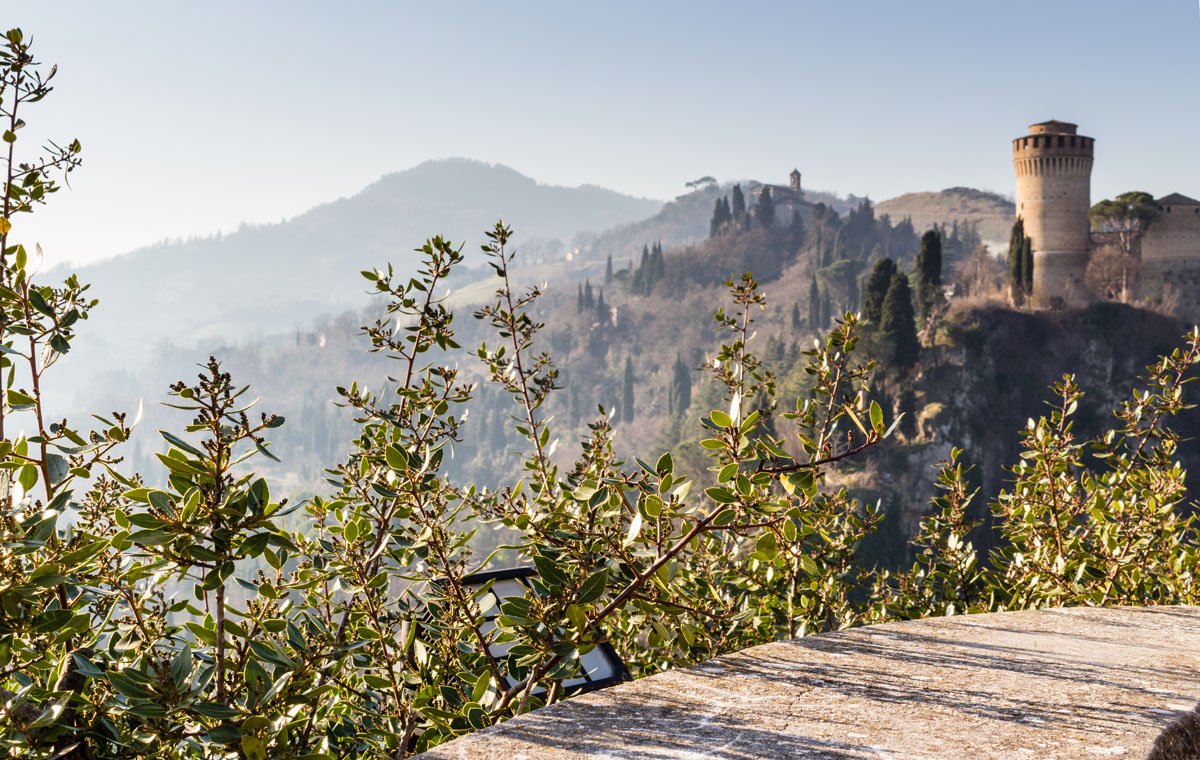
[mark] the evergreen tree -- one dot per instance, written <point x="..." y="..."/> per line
<point x="719" y="218"/>
<point x="658" y="268"/>
<point x="851" y="289"/>
<point x="906" y="405"/>
<point x="1027" y="269"/>
<point x="814" y="306"/>
<point x="765" y="209"/>
<point x="1020" y="263"/>
<point x="589" y="299"/>
<point x="826" y="309"/>
<point x="898" y="323"/>
<point x="839" y="247"/>
<point x="876" y="290"/>
<point x="796" y="325"/>
<point x="627" y="392"/>
<point x="681" y="386"/>
<point x="738" y="207"/>
<point x="929" y="271"/>
<point x="608" y="272"/>
<point x="796" y="230"/>
<point x="579" y="299"/>
<point x="602" y="308"/>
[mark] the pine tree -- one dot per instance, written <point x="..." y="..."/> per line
<point x="738" y="207"/>
<point x="608" y="273"/>
<point x="814" y="306"/>
<point x="627" y="392"/>
<point x="765" y="211"/>
<point x="929" y="271"/>
<point x="899" y="325"/>
<point x="876" y="290"/>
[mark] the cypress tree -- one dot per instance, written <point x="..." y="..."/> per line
<point x="839" y="247"/>
<point x="826" y="309"/>
<point x="1020" y="263"/>
<point x="579" y="299"/>
<point x="929" y="270"/>
<point x="739" y="202"/>
<point x="814" y="306"/>
<point x="601" y="307"/>
<point x="1027" y="269"/>
<point x="681" y="385"/>
<point x="899" y="325"/>
<point x="627" y="392"/>
<point x="589" y="300"/>
<point x="796" y="230"/>
<point x="658" y="268"/>
<point x="766" y="209"/>
<point x="876" y="290"/>
<point x="796" y="317"/>
<point x="608" y="273"/>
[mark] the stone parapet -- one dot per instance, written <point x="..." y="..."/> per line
<point x="1044" y="684"/>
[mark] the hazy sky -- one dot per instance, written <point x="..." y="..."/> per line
<point x="197" y="116"/>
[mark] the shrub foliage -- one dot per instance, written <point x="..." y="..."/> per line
<point x="191" y="620"/>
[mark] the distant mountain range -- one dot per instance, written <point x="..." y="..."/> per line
<point x="265" y="279"/>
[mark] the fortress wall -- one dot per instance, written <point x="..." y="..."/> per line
<point x="1183" y="278"/>
<point x="1176" y="235"/>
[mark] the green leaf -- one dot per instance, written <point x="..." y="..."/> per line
<point x="181" y="666"/>
<point x="876" y="417"/>
<point x="224" y="734"/>
<point x="253" y="748"/>
<point x="181" y="444"/>
<point x="130" y="688"/>
<point x="215" y="710"/>
<point x="593" y="588"/>
<point x="51" y="620"/>
<point x="56" y="468"/>
<point x="397" y="459"/>
<point x="635" y="529"/>
<point x="720" y="419"/>
<point x="720" y="495"/>
<point x="86" y="667"/>
<point x="724" y="518"/>
<point x="19" y="400"/>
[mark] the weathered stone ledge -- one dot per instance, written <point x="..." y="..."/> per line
<point x="1077" y="683"/>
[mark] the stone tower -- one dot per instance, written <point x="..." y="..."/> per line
<point x="1054" y="175"/>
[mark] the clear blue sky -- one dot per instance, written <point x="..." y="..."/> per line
<point x="197" y="116"/>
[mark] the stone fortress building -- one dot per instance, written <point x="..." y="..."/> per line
<point x="1053" y="165"/>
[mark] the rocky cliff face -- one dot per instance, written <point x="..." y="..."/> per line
<point x="995" y="374"/>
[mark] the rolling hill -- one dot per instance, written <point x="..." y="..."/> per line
<point x="993" y="213"/>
